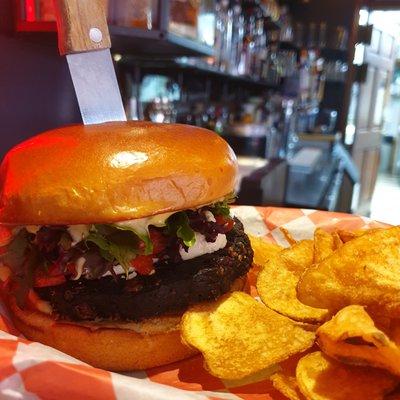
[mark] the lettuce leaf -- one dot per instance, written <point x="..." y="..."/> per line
<point x="144" y="237"/>
<point x="23" y="259"/>
<point x="32" y="261"/>
<point x="178" y="224"/>
<point x="111" y="251"/>
<point x="222" y="207"/>
<point x="16" y="251"/>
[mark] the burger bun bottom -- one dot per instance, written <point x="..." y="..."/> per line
<point x="153" y="342"/>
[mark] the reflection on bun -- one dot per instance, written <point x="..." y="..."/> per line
<point x="113" y="172"/>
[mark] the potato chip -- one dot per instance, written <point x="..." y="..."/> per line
<point x="299" y="257"/>
<point x="346" y="236"/>
<point x="263" y="250"/>
<point x="337" y="242"/>
<point x="284" y="380"/>
<point x="321" y="378"/>
<point x="352" y="337"/>
<point x="276" y="285"/>
<point x="395" y="331"/>
<point x="324" y="245"/>
<point x="288" y="236"/>
<point x="259" y="376"/>
<point x="287" y="385"/>
<point x="239" y="336"/>
<point x="363" y="271"/>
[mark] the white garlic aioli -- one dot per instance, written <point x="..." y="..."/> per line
<point x="32" y="228"/>
<point x="79" y="267"/>
<point x="119" y="270"/>
<point x="141" y="225"/>
<point x="78" y="233"/>
<point x="201" y="246"/>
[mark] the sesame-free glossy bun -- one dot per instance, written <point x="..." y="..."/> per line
<point x="151" y="343"/>
<point x="112" y="172"/>
<point x="113" y="349"/>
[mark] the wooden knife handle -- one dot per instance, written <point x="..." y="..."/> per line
<point x="82" y="25"/>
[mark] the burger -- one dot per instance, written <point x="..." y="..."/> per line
<point x="110" y="232"/>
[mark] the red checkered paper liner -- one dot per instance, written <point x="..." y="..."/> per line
<point x="33" y="371"/>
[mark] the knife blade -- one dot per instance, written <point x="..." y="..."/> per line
<point x="84" y="38"/>
<point x="96" y="87"/>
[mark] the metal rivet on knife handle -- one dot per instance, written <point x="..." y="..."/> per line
<point x="95" y="35"/>
<point x="76" y="20"/>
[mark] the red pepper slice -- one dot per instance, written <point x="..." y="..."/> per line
<point x="52" y="277"/>
<point x="143" y="265"/>
<point x="158" y="239"/>
<point x="42" y="281"/>
<point x="226" y="222"/>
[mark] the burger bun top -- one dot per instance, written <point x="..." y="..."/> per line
<point x="113" y="172"/>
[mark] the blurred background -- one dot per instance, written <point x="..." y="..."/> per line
<point x="307" y="92"/>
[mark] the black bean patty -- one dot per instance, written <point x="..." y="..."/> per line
<point x="170" y="290"/>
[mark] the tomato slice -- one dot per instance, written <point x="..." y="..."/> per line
<point x="159" y="240"/>
<point x="52" y="277"/>
<point x="143" y="265"/>
<point x="220" y="219"/>
<point x="4" y="285"/>
<point x="43" y="281"/>
<point x="5" y="236"/>
<point x="70" y="267"/>
<point x="227" y="222"/>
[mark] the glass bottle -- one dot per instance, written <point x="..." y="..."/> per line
<point x="237" y="38"/>
<point x="206" y="23"/>
<point x="219" y="33"/>
<point x="183" y="19"/>
<point x="226" y="16"/>
<point x="135" y="13"/>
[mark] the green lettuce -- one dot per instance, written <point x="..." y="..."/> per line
<point x="178" y="224"/>
<point x="23" y="259"/>
<point x="144" y="237"/>
<point x="222" y="207"/>
<point x="16" y="251"/>
<point x="119" y="243"/>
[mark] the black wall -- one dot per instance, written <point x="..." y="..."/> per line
<point x="36" y="91"/>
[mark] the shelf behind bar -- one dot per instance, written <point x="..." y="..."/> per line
<point x="334" y="54"/>
<point x="209" y="70"/>
<point x="237" y="78"/>
<point x="328" y="53"/>
<point x="135" y="40"/>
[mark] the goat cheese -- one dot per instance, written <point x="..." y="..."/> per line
<point x="203" y="247"/>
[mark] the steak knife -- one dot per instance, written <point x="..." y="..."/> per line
<point x="84" y="38"/>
